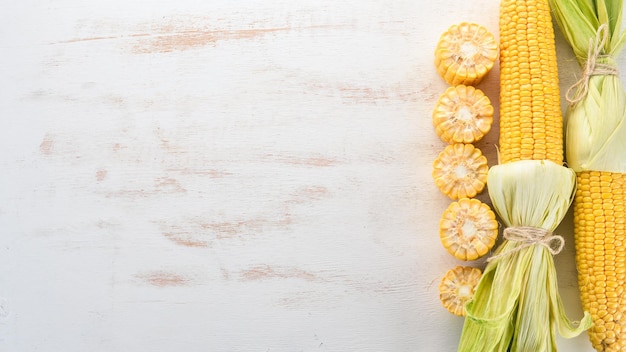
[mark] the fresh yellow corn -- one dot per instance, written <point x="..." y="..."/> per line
<point x="468" y="229"/>
<point x="600" y="239"/>
<point x="460" y="171"/>
<point x="517" y="306"/>
<point x="465" y="53"/>
<point x="463" y="114"/>
<point x="531" y="124"/>
<point x="457" y="287"/>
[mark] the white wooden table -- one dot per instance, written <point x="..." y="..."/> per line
<point x="229" y="176"/>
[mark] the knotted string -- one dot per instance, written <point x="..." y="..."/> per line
<point x="528" y="236"/>
<point x="592" y="66"/>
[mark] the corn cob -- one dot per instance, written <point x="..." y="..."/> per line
<point x="457" y="287"/>
<point x="463" y="114"/>
<point x="596" y="132"/>
<point x="600" y="255"/>
<point x="531" y="126"/>
<point x="516" y="306"/>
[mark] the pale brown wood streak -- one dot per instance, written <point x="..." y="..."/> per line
<point x="47" y="145"/>
<point x="263" y="272"/>
<point x="166" y="39"/>
<point x="164" y="279"/>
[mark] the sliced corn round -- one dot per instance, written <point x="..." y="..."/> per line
<point x="457" y="287"/>
<point x="460" y="171"/>
<point x="465" y="53"/>
<point x="468" y="229"/>
<point x="463" y="114"/>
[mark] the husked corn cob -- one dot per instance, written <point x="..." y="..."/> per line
<point x="600" y="240"/>
<point x="460" y="171"/>
<point x="531" y="125"/>
<point x="463" y="114"/>
<point x="468" y="229"/>
<point x="457" y="287"/>
<point x="465" y="53"/>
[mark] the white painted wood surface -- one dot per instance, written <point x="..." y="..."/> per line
<point x="228" y="176"/>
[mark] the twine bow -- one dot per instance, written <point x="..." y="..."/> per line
<point x="592" y="66"/>
<point x="528" y="236"/>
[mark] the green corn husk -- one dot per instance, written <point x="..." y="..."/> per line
<point x="516" y="306"/>
<point x="596" y="124"/>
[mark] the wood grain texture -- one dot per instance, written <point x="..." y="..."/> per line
<point x="228" y="176"/>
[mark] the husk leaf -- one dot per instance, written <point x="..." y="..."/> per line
<point x="516" y="306"/>
<point x="596" y="125"/>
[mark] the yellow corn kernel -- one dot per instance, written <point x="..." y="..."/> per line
<point x="465" y="53"/>
<point x="531" y="123"/>
<point x="600" y="281"/>
<point x="468" y="229"/>
<point x="463" y="114"/>
<point x="460" y="171"/>
<point x="457" y="287"/>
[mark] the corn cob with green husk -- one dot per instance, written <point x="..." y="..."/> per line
<point x="516" y="306"/>
<point x="596" y="147"/>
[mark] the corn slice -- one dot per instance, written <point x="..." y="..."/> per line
<point x="468" y="229"/>
<point x="463" y="114"/>
<point x="465" y="53"/>
<point x="460" y="171"/>
<point x="457" y="288"/>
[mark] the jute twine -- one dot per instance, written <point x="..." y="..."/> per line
<point x="592" y="67"/>
<point x="528" y="236"/>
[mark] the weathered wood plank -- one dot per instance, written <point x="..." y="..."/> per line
<point x="226" y="176"/>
